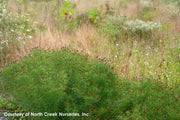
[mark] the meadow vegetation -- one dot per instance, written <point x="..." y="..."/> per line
<point x="113" y="59"/>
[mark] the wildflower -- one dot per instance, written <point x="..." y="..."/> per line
<point x="141" y="26"/>
<point x="29" y="37"/>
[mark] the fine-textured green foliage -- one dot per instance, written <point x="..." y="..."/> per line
<point x="6" y="104"/>
<point x="148" y="100"/>
<point x="62" y="82"/>
<point x="66" y="82"/>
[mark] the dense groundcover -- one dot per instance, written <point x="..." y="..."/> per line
<point x="62" y="82"/>
<point x="66" y="82"/>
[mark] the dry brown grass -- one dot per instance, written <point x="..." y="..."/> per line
<point x="132" y="9"/>
<point x="86" y="39"/>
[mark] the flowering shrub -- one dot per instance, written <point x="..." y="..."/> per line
<point x="14" y="29"/>
<point x="119" y="27"/>
<point x="141" y="28"/>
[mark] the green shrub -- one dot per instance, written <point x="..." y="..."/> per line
<point x="62" y="82"/>
<point x="148" y="100"/>
<point x="67" y="82"/>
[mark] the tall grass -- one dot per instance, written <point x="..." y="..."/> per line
<point x="134" y="53"/>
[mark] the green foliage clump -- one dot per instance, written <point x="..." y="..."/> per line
<point x="62" y="82"/>
<point x="4" y="103"/>
<point x="67" y="12"/>
<point x="93" y="16"/>
<point x="67" y="21"/>
<point x="148" y="100"/>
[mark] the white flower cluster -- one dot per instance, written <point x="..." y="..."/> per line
<point x="172" y="11"/>
<point x="14" y="28"/>
<point x="119" y="26"/>
<point x="2" y="9"/>
<point x="141" y="26"/>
